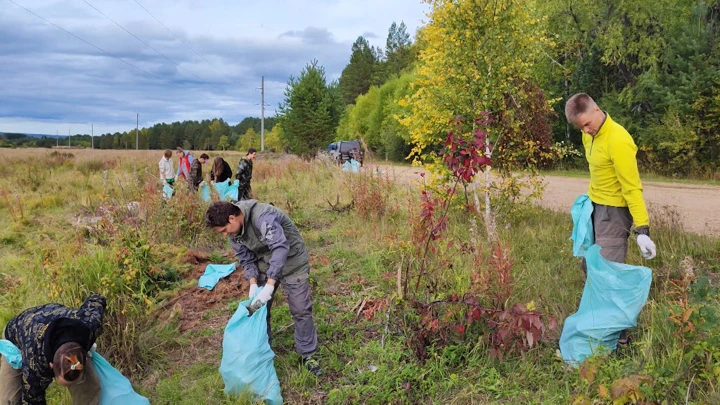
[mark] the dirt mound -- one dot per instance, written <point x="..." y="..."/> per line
<point x="197" y="307"/>
<point x="196" y="257"/>
<point x="196" y="302"/>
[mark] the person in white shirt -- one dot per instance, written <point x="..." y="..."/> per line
<point x="167" y="174"/>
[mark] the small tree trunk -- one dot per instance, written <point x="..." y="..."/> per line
<point x="489" y="215"/>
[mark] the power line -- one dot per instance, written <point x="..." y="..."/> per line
<point x="183" y="41"/>
<point x="156" y="51"/>
<point x="87" y="42"/>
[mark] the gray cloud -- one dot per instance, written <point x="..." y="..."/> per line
<point x="311" y="35"/>
<point x="53" y="80"/>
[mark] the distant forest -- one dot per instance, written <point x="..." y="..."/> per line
<point x="206" y="135"/>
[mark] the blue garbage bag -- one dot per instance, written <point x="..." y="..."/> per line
<point x="247" y="359"/>
<point x="351" y="165"/>
<point x="213" y="274"/>
<point x="167" y="191"/>
<point x="205" y="192"/>
<point x="612" y="299"/>
<point x="115" y="388"/>
<point x="582" y="234"/>
<point x="227" y="190"/>
<point x="11" y="353"/>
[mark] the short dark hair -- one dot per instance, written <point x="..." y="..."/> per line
<point x="69" y="361"/>
<point x="168" y="154"/>
<point x="578" y="104"/>
<point x="204" y="156"/>
<point x="251" y="150"/>
<point x="218" y="214"/>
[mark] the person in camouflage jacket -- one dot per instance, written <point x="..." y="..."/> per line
<point x="49" y="336"/>
<point x="196" y="176"/>
<point x="244" y="175"/>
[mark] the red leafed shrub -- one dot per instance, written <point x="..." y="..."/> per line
<point x="486" y="309"/>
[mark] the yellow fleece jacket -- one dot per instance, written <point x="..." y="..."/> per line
<point x="614" y="176"/>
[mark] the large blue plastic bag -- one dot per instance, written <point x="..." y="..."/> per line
<point x="115" y="388"/>
<point x="167" y="191"/>
<point x="11" y="354"/>
<point x="227" y="190"/>
<point x="351" y="165"/>
<point x="205" y="192"/>
<point x="247" y="360"/>
<point x="613" y="297"/>
<point x="213" y="274"/>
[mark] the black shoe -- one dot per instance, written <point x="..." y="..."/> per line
<point x="312" y="365"/>
<point x="625" y="338"/>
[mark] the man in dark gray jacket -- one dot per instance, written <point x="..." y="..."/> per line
<point x="271" y="251"/>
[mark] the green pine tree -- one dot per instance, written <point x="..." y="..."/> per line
<point x="309" y="113"/>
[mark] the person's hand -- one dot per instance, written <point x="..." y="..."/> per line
<point x="647" y="246"/>
<point x="264" y="295"/>
<point x="253" y="290"/>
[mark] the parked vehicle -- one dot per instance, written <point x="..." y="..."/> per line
<point x="343" y="151"/>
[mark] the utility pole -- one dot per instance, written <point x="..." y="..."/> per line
<point x="262" y="114"/>
<point x="92" y="136"/>
<point x="137" y="124"/>
<point x="68" y="138"/>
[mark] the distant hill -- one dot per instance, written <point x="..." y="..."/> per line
<point x="30" y="135"/>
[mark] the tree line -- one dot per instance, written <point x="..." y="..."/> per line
<point x="653" y="66"/>
<point x="215" y="134"/>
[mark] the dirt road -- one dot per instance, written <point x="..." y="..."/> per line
<point x="695" y="207"/>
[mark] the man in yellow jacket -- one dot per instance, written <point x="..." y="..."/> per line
<point x="615" y="187"/>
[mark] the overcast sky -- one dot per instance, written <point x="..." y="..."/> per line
<point x="208" y="64"/>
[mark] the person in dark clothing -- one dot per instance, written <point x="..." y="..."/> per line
<point x="196" y="176"/>
<point x="54" y="341"/>
<point x="244" y="175"/>
<point x="220" y="171"/>
<point x="271" y="251"/>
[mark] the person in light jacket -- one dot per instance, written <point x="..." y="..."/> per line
<point x="167" y="173"/>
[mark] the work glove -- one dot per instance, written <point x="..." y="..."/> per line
<point x="264" y="295"/>
<point x="253" y="290"/>
<point x="647" y="246"/>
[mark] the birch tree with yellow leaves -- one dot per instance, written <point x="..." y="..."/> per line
<point x="477" y="57"/>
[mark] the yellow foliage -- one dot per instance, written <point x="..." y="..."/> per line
<point x="476" y="52"/>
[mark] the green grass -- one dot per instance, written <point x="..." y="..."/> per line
<point x="354" y="259"/>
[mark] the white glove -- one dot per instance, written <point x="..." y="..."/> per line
<point x="253" y="290"/>
<point x="647" y="246"/>
<point x="264" y="295"/>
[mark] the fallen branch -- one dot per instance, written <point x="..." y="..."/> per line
<point x="362" y="306"/>
<point x="340" y="208"/>
<point x="387" y="322"/>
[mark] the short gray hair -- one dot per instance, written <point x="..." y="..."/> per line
<point x="578" y="104"/>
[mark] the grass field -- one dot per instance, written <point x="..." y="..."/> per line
<point x="67" y="228"/>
